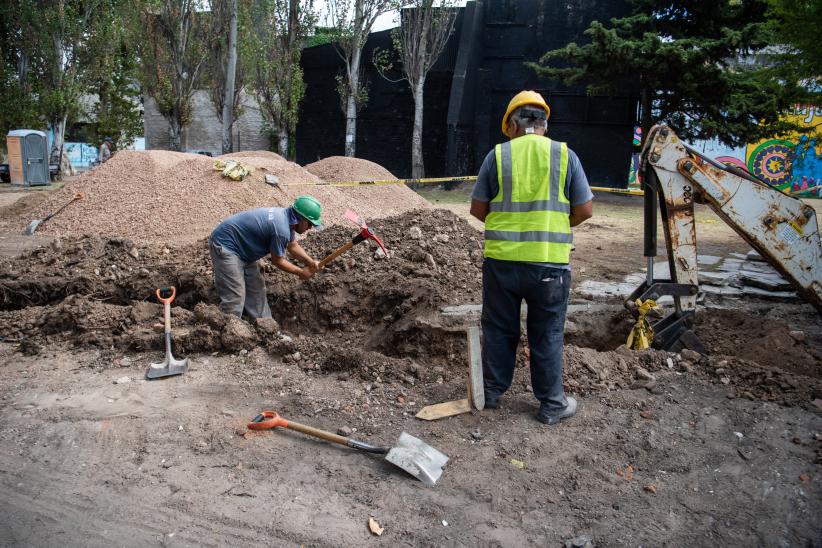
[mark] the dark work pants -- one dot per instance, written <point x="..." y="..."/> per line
<point x="545" y="289"/>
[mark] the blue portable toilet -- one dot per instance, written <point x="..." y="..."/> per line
<point x="28" y="157"/>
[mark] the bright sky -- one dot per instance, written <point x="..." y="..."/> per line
<point x="386" y="21"/>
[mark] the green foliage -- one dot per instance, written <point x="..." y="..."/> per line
<point x="321" y="36"/>
<point x="691" y="64"/>
<point x="796" y="24"/>
<point x="274" y="32"/>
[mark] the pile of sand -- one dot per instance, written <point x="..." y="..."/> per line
<point x="345" y="169"/>
<point x="176" y="197"/>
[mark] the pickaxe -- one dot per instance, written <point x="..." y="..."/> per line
<point x="365" y="234"/>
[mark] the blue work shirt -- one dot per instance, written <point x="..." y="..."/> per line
<point x="253" y="234"/>
<point x="577" y="189"/>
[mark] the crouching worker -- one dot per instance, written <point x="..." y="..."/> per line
<point x="241" y="240"/>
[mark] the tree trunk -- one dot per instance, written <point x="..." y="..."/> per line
<point x="231" y="71"/>
<point x="174" y="131"/>
<point x="351" y="104"/>
<point x="58" y="126"/>
<point x="417" y="164"/>
<point x="282" y="143"/>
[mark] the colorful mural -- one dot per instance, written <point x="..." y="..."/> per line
<point x="792" y="163"/>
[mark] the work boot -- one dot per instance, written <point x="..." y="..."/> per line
<point x="551" y="417"/>
<point x="491" y="401"/>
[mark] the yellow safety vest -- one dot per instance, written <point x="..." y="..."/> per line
<point x="529" y="218"/>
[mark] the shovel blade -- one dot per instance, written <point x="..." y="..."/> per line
<point x="32" y="227"/>
<point x="417" y="458"/>
<point x="168" y="368"/>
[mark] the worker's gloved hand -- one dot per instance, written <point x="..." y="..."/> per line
<point x="306" y="273"/>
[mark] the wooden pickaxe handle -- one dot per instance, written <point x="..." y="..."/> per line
<point x="336" y="253"/>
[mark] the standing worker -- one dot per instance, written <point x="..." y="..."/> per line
<point x="105" y="150"/>
<point x="241" y="240"/>
<point x="529" y="192"/>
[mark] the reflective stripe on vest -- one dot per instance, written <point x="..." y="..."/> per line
<point x="528" y="220"/>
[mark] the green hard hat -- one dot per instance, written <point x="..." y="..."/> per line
<point x="308" y="207"/>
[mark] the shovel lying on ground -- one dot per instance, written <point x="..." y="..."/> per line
<point x="365" y="234"/>
<point x="409" y="453"/>
<point x="37" y="222"/>
<point x="170" y="366"/>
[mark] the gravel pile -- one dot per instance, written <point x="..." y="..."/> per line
<point x="343" y="169"/>
<point x="173" y="197"/>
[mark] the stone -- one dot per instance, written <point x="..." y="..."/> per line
<point x="238" y="334"/>
<point x="798" y="336"/>
<point x="379" y="253"/>
<point x="415" y="233"/>
<point x="429" y="260"/>
<point x="642" y="373"/>
<point x="582" y="541"/>
<point x="691" y="355"/>
<point x="122" y="380"/>
<point x="346" y="430"/>
<point x="267" y="326"/>
<point x="134" y="252"/>
<point x="442" y="238"/>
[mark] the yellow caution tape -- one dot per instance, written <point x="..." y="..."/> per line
<point x="642" y="335"/>
<point x="440" y="180"/>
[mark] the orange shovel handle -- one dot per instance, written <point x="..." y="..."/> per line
<point x="165" y="290"/>
<point x="267" y="420"/>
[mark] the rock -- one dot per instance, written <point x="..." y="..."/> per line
<point x="415" y="233"/>
<point x="429" y="260"/>
<point x="476" y="434"/>
<point x="625" y="351"/>
<point x="798" y="336"/>
<point x="571" y="328"/>
<point x="345" y="430"/>
<point x="690" y="355"/>
<point x="379" y="253"/>
<point x="442" y="238"/>
<point x="211" y="314"/>
<point x="686" y="366"/>
<point x="286" y="338"/>
<point x="267" y="326"/>
<point x="237" y="334"/>
<point x="642" y="373"/>
<point x="582" y="541"/>
<point x="725" y="380"/>
<point x="134" y="252"/>
<point x="122" y="380"/>
<point x="296" y="356"/>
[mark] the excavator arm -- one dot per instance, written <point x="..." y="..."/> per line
<point x="780" y="227"/>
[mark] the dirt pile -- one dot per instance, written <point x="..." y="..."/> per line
<point x="162" y="196"/>
<point x="345" y="169"/>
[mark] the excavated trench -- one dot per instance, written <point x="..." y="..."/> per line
<point x="364" y="316"/>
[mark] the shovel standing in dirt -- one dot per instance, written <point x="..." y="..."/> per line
<point x="170" y="366"/>
<point x="365" y="234"/>
<point x="37" y="222"/>
<point x="409" y="453"/>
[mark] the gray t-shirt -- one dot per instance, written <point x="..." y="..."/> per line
<point x="577" y="189"/>
<point x="253" y="234"/>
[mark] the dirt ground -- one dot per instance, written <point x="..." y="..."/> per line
<point x="723" y="449"/>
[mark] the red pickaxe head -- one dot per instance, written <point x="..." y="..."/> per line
<point x="365" y="234"/>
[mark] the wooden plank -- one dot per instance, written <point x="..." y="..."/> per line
<point x="442" y="410"/>
<point x="476" y="390"/>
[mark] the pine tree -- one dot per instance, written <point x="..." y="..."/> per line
<point x="705" y="68"/>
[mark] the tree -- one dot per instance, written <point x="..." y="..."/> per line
<point x="352" y="21"/>
<point x="801" y="51"/>
<point x="224" y="76"/>
<point x="18" y="91"/>
<point x="419" y="41"/>
<point x="110" y="67"/>
<point x="690" y="63"/>
<point x="277" y="30"/>
<point x="171" y="42"/>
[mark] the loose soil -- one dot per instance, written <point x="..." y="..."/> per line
<point x="667" y="450"/>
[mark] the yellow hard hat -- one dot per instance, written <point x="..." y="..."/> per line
<point x="524" y="98"/>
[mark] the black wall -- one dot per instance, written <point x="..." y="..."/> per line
<point x="468" y="91"/>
